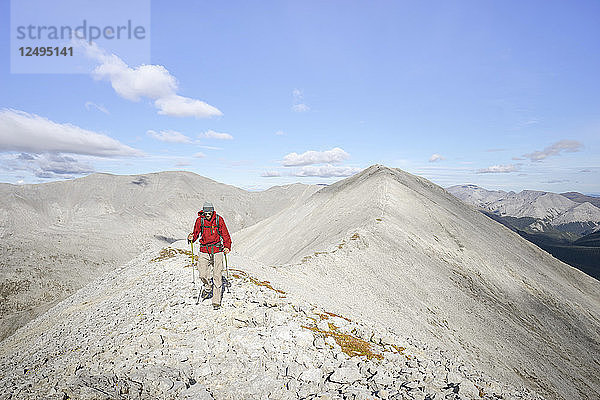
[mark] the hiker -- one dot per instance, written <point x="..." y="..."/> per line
<point x="214" y="241"/>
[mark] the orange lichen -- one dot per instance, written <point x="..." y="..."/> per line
<point x="267" y="284"/>
<point x="169" y="252"/>
<point x="481" y="391"/>
<point x="351" y="345"/>
<point x="338" y="316"/>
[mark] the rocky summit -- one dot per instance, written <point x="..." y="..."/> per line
<point x="138" y="333"/>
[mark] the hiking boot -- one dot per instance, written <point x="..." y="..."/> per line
<point x="216" y="306"/>
<point x="206" y="293"/>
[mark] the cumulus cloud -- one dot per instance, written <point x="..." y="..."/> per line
<point x="270" y="174"/>
<point x="326" y="171"/>
<point x="280" y="133"/>
<point x="497" y="169"/>
<point x="179" y="106"/>
<point x="46" y="165"/>
<point x="152" y="81"/>
<point x="436" y="157"/>
<point x="146" y="81"/>
<point x="334" y="155"/>
<point x="210" y="134"/>
<point x="169" y="136"/>
<point x="21" y="131"/>
<point x="569" y="146"/>
<point x="89" y="105"/>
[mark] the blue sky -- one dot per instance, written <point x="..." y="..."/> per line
<point x="503" y="94"/>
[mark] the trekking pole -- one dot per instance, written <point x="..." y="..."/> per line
<point x="227" y="272"/>
<point x="193" y="274"/>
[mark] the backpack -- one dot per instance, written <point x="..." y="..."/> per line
<point x="220" y="243"/>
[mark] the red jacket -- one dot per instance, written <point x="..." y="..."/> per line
<point x="210" y="241"/>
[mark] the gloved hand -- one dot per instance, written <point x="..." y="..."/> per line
<point x="190" y="237"/>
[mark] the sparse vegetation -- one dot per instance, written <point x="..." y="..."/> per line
<point x="351" y="345"/>
<point x="244" y="275"/>
<point x="169" y="252"/>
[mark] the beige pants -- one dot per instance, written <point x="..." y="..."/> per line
<point x="205" y="262"/>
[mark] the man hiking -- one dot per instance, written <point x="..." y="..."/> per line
<point x="214" y="241"/>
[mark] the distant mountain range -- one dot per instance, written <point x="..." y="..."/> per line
<point x="569" y="212"/>
<point x="567" y="225"/>
<point x="582" y="198"/>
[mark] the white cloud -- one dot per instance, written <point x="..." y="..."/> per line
<point x="89" y="105"/>
<point x="300" y="107"/>
<point x="270" y="174"/>
<point x="21" y="131"/>
<point x="199" y="155"/>
<point x="210" y="134"/>
<point x="495" y="169"/>
<point x="210" y="147"/>
<point x="280" y="133"/>
<point x="46" y="165"/>
<point x="334" y="155"/>
<point x="182" y="163"/>
<point x="169" y="136"/>
<point x="326" y="171"/>
<point x="179" y="106"/>
<point x="569" y="146"/>
<point x="436" y="157"/>
<point x="151" y="81"/>
<point x="297" y="94"/>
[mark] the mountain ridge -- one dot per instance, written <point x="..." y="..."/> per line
<point x="395" y="250"/>
<point x="412" y="240"/>
<point x="117" y="341"/>
<point x="58" y="235"/>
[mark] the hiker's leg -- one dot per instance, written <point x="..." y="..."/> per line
<point x="204" y="267"/>
<point x="217" y="278"/>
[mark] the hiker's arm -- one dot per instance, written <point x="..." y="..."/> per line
<point x="226" y="237"/>
<point x="197" y="229"/>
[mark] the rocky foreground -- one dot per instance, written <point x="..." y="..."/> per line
<point x="138" y="333"/>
